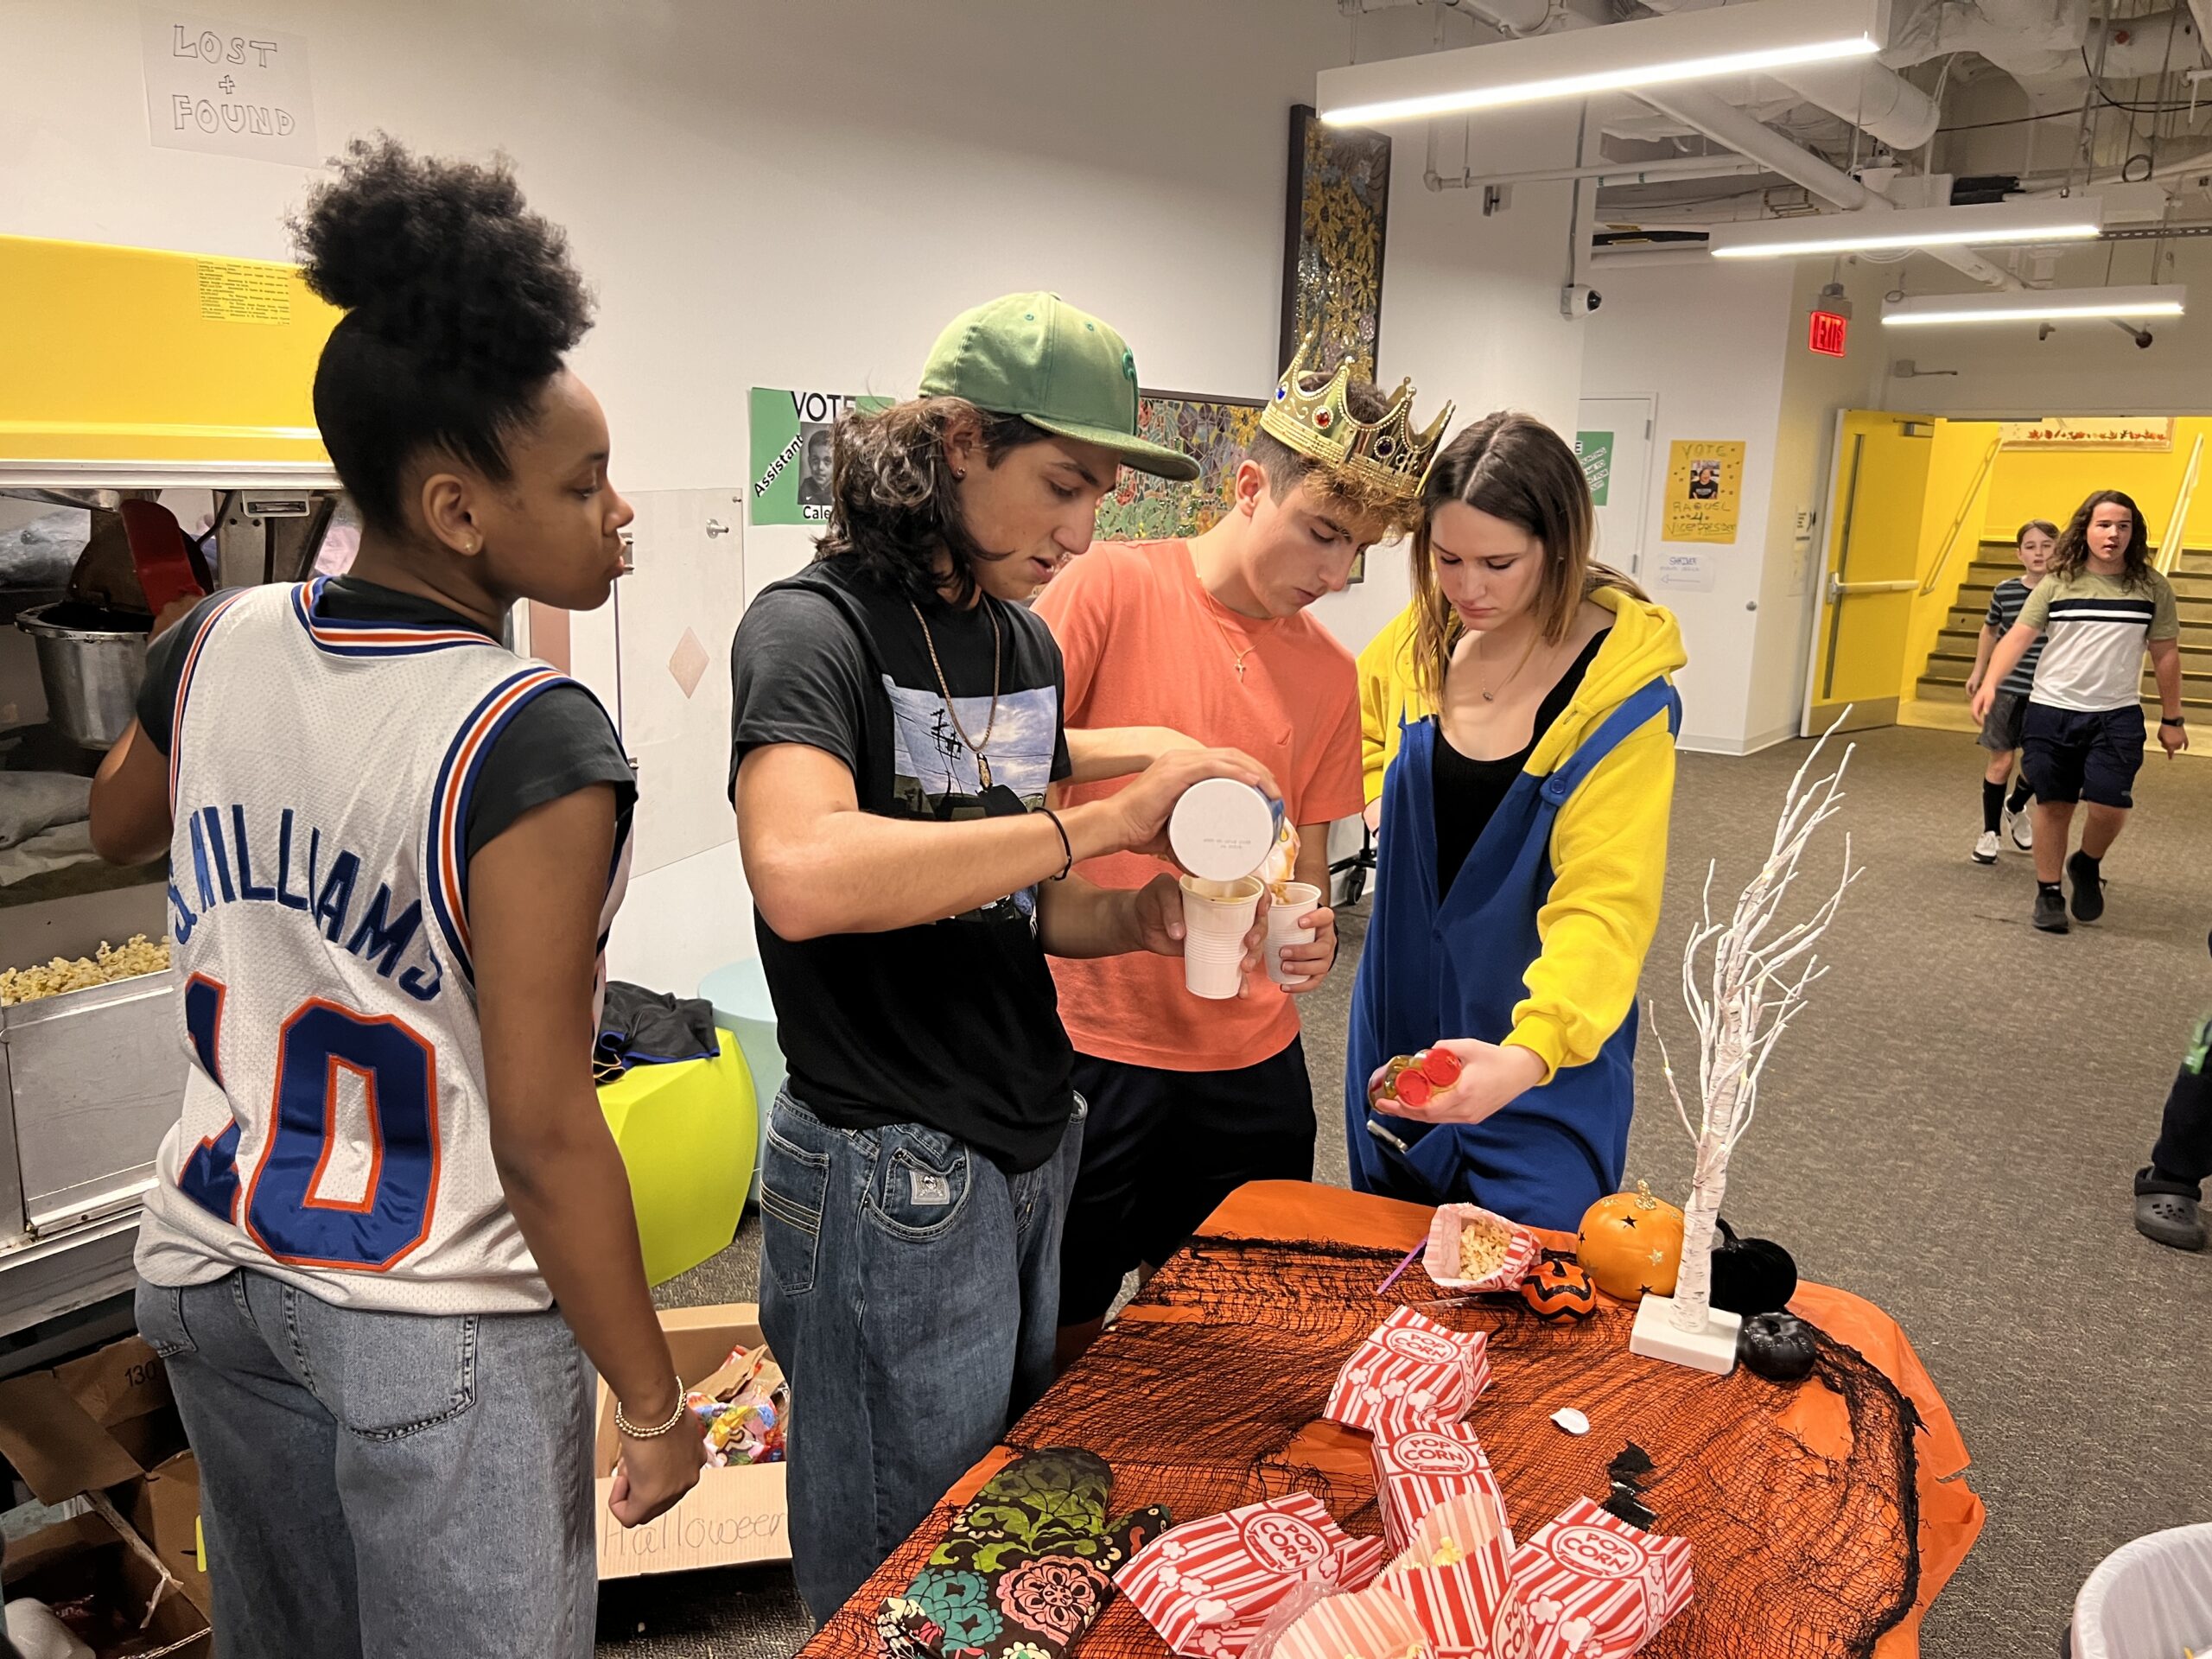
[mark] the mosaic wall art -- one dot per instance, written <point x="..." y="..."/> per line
<point x="1339" y="201"/>
<point x="1216" y="430"/>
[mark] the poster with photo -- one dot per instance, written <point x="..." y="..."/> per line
<point x="1705" y="478"/>
<point x="794" y="436"/>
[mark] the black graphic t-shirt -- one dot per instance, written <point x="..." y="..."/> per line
<point x="953" y="1023"/>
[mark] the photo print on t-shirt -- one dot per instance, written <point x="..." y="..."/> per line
<point x="935" y="776"/>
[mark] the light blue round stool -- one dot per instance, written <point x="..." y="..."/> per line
<point x="740" y="994"/>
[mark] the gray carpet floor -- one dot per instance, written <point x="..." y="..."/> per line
<point x="1949" y="1130"/>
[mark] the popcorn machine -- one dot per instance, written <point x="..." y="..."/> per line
<point x="146" y="398"/>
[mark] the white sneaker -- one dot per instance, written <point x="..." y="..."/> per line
<point x="2021" y="826"/>
<point x="1984" y="848"/>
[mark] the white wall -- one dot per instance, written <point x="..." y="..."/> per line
<point x="778" y="194"/>
<point x="2084" y="368"/>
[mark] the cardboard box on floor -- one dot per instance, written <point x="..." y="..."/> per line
<point x="86" y="1556"/>
<point x="735" y="1514"/>
<point x="108" y="1423"/>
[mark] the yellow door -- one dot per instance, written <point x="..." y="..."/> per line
<point x="1880" y="486"/>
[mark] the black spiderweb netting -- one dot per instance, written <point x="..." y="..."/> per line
<point x="1207" y="1395"/>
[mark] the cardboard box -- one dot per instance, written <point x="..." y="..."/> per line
<point x="108" y="1423"/>
<point x="86" y="1556"/>
<point x="733" y="1516"/>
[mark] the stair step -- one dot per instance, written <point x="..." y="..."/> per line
<point x="2186" y="585"/>
<point x="2197" y="708"/>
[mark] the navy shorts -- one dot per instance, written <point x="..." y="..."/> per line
<point x="2069" y="755"/>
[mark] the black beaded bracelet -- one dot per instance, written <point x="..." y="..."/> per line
<point x="1067" y="851"/>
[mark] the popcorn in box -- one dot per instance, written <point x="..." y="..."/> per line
<point x="1470" y="1249"/>
<point x="1207" y="1585"/>
<point x="1596" y="1588"/>
<point x="1419" y="1468"/>
<point x="1456" y="1575"/>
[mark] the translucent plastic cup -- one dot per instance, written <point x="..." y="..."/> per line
<point x="1216" y="915"/>
<point x="1293" y="899"/>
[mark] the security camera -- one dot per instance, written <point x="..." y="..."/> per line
<point x="1578" y="300"/>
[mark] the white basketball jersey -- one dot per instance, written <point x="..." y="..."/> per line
<point x="335" y="1132"/>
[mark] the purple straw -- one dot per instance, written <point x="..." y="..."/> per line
<point x="1401" y="1267"/>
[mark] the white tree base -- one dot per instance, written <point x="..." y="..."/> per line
<point x="1657" y="1337"/>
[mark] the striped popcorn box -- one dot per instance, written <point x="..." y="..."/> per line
<point x="1596" y="1588"/>
<point x="1410" y="1372"/>
<point x="1472" y="1248"/>
<point x="1371" y="1624"/>
<point x="1207" y="1585"/>
<point x="1456" y="1575"/>
<point x="1419" y="1469"/>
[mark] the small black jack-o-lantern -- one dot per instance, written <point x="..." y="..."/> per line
<point x="1780" y="1347"/>
<point x="1559" y="1293"/>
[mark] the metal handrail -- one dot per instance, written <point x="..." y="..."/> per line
<point x="1951" y="538"/>
<point x="2170" y="549"/>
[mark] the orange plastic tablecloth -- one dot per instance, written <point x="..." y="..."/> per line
<point x="1950" y="1513"/>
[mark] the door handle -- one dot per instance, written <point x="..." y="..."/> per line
<point x="715" y="527"/>
<point x="1838" y="588"/>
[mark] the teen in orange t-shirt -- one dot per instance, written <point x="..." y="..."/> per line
<point x="1190" y="1098"/>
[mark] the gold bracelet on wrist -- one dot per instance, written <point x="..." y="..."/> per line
<point x="631" y="1429"/>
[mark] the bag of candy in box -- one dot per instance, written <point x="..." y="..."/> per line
<point x="740" y="1410"/>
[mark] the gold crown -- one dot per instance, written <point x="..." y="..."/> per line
<point x="1386" y="454"/>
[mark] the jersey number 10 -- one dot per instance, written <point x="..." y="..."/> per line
<point x="283" y="1209"/>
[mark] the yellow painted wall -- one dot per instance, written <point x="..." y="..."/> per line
<point x="1955" y="466"/>
<point x="2031" y="485"/>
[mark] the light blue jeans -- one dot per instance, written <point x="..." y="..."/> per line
<point x="911" y="1290"/>
<point x="384" y="1484"/>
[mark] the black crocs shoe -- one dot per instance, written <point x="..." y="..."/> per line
<point x="2170" y="1218"/>
<point x="2089" y="887"/>
<point x="2050" y="909"/>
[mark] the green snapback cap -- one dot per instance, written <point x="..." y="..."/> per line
<point x="1059" y="368"/>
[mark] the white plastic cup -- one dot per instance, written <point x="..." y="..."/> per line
<point x="1292" y="900"/>
<point x="1216" y="915"/>
<point x="1222" y="829"/>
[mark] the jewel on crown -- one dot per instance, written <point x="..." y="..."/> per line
<point x="1318" y="424"/>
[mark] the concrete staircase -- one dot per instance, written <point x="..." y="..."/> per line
<point x="1944" y="680"/>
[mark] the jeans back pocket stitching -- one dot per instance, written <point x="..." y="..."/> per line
<point x="464" y="1396"/>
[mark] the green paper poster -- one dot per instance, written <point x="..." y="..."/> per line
<point x="792" y="446"/>
<point x="1596" y="449"/>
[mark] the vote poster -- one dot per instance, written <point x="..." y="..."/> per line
<point x="1705" y="478"/>
<point x="1595" y="450"/>
<point x="794" y="443"/>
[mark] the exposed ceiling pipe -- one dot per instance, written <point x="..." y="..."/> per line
<point x="1878" y="100"/>
<point x="1641" y="258"/>
<point x="1607" y="174"/>
<point x="1702" y="112"/>
<point x="1513" y="16"/>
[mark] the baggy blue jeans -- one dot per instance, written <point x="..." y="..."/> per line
<point x="910" y="1288"/>
<point x="384" y="1484"/>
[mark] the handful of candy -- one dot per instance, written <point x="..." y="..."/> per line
<point x="1417" y="1078"/>
<point x="740" y="1410"/>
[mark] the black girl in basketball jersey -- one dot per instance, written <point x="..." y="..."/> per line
<point x="390" y="1225"/>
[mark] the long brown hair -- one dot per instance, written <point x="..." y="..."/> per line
<point x="894" y="503"/>
<point x="2072" y="554"/>
<point x="1514" y="468"/>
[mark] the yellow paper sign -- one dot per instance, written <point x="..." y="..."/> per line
<point x="1704" y="479"/>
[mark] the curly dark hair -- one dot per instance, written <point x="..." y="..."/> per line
<point x="2072" y="554"/>
<point x="895" y="505"/>
<point x="460" y="304"/>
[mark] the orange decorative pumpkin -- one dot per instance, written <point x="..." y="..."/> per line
<point x="1631" y="1243"/>
<point x="1558" y="1292"/>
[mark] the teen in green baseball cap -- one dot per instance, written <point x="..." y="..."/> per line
<point x="896" y="736"/>
<point x="1036" y="356"/>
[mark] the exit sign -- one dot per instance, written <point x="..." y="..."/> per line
<point x="1829" y="329"/>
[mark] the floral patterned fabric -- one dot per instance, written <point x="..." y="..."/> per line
<point x="1026" y="1567"/>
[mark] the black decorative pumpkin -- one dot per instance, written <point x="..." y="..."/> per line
<point x="1559" y="1293"/>
<point x="1752" y="1275"/>
<point x="1780" y="1347"/>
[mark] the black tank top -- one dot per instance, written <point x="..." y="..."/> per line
<point x="1468" y="792"/>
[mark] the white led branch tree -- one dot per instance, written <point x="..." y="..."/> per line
<point x="1757" y="987"/>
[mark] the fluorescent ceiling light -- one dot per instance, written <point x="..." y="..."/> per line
<point x="2036" y="305"/>
<point x="2053" y="218"/>
<point x="1733" y="39"/>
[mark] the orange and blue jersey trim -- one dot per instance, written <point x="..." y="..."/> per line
<point x="351" y="639"/>
<point x="447" y="872"/>
<point x="214" y="614"/>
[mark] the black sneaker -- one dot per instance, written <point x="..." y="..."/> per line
<point x="2050" y="909"/>
<point x="2089" y="887"/>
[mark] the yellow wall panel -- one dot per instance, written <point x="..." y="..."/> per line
<point x="134" y="354"/>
